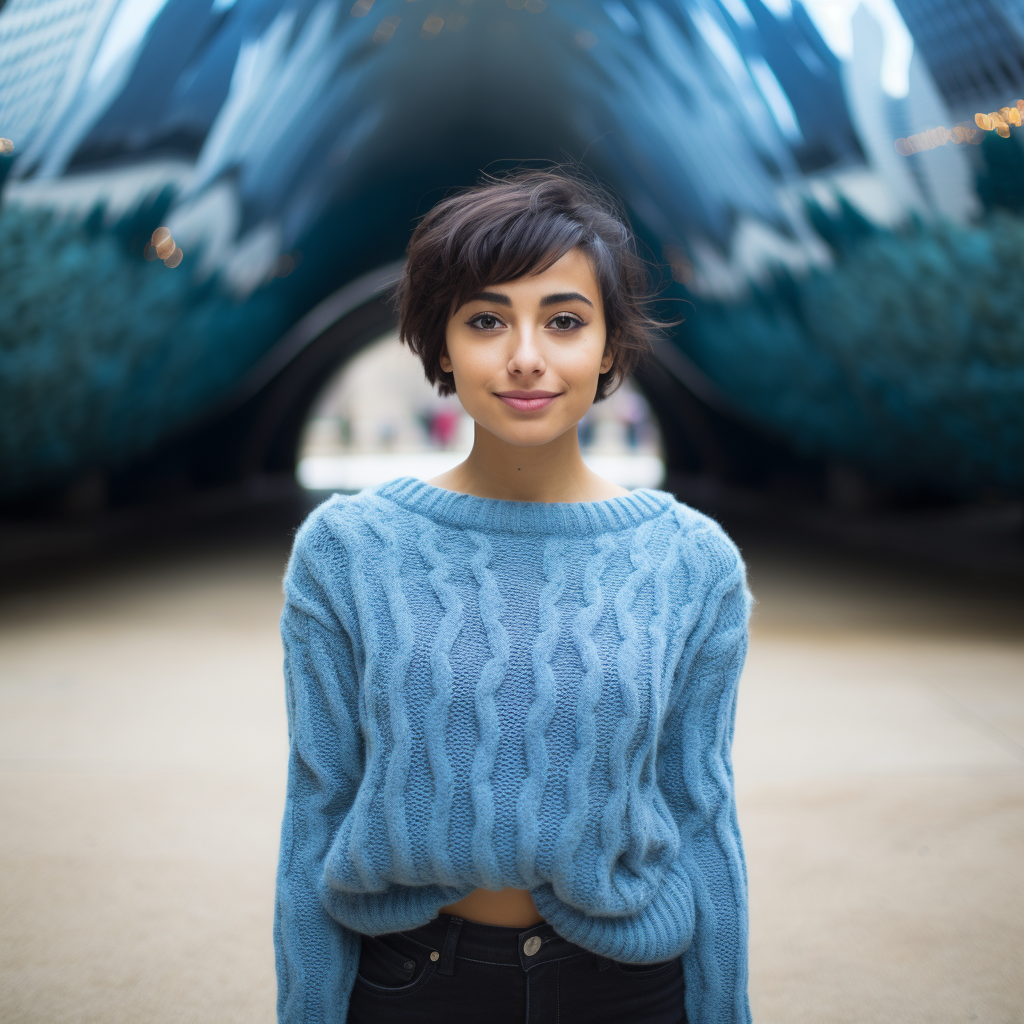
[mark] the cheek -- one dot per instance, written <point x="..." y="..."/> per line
<point x="454" y="350"/>
<point x="584" y="362"/>
<point x="469" y="362"/>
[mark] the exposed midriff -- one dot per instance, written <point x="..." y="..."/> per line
<point x="510" y="908"/>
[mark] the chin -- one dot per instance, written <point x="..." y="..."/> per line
<point x="524" y="434"/>
<point x="527" y="442"/>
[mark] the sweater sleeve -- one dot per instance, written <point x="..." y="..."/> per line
<point x="697" y="783"/>
<point x="317" y="957"/>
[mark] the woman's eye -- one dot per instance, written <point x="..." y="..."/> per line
<point x="486" y="322"/>
<point x="566" y="322"/>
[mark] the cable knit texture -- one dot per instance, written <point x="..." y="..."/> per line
<point x="487" y="693"/>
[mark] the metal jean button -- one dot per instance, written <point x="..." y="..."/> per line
<point x="531" y="945"/>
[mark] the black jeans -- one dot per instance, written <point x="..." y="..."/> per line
<point x="461" y="972"/>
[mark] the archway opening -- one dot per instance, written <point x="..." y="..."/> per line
<point x="377" y="418"/>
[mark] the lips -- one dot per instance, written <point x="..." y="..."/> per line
<point x="527" y="401"/>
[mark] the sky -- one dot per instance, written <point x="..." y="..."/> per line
<point x="833" y="18"/>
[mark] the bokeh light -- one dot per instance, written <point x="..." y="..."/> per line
<point x="432" y="26"/>
<point x="386" y="29"/>
<point x="1000" y="121"/>
<point x="161" y="246"/>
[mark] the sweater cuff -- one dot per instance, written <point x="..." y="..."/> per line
<point x="661" y="930"/>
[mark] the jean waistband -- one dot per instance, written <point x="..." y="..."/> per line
<point x="493" y="943"/>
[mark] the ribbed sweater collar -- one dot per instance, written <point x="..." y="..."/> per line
<point x="571" y="518"/>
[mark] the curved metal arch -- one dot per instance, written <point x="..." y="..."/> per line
<point x="257" y="430"/>
<point x="285" y="384"/>
<point x="320" y="319"/>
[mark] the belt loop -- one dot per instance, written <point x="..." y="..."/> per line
<point x="447" y="964"/>
<point x="603" y="963"/>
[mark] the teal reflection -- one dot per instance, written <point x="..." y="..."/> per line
<point x="856" y="297"/>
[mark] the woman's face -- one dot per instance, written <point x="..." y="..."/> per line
<point x="526" y="354"/>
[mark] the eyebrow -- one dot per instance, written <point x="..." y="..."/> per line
<point x="549" y="300"/>
<point x="496" y="297"/>
<point x="556" y="300"/>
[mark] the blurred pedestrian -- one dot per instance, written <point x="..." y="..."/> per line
<point x="632" y="413"/>
<point x="444" y="427"/>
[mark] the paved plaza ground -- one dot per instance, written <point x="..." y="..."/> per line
<point x="879" y="765"/>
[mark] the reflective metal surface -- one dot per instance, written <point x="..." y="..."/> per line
<point x="853" y="293"/>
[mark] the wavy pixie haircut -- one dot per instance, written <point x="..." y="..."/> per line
<point x="521" y="224"/>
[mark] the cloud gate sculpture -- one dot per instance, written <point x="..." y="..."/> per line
<point x="840" y="230"/>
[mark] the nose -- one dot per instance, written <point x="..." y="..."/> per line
<point x="526" y="359"/>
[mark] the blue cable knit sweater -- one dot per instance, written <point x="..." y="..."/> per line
<point x="487" y="693"/>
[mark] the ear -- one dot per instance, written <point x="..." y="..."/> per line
<point x="608" y="359"/>
<point x="443" y="361"/>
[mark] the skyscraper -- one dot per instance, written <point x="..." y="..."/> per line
<point x="46" y="47"/>
<point x="973" y="48"/>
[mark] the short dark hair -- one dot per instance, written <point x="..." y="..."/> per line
<point x="506" y="227"/>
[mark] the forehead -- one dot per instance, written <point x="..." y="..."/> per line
<point x="573" y="271"/>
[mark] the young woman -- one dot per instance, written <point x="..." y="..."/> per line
<point x="511" y="689"/>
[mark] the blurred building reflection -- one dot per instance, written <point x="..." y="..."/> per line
<point x="973" y="48"/>
<point x="48" y="48"/>
<point x="848" y="302"/>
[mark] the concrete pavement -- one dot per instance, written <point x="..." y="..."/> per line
<point x="879" y="764"/>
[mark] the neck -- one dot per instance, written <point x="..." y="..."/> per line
<point x="550" y="472"/>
